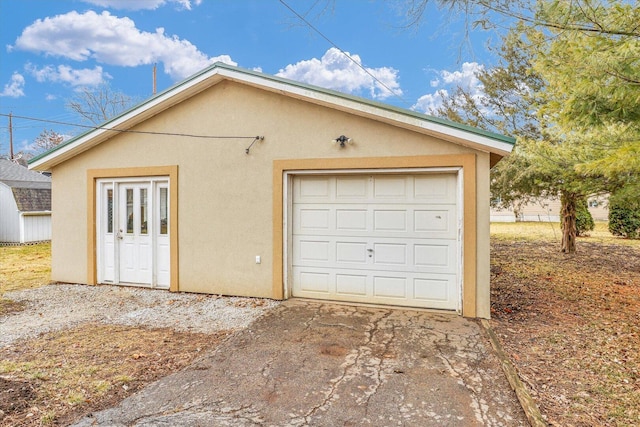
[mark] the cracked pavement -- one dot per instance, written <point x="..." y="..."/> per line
<point x="322" y="364"/>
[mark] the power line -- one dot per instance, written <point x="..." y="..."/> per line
<point x="302" y="18"/>
<point x="131" y="131"/>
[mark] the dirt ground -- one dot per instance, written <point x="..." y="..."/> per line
<point x="571" y="325"/>
<point x="61" y="376"/>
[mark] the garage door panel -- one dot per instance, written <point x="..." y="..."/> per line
<point x="385" y="253"/>
<point x="437" y="222"/>
<point x="390" y="187"/>
<point x="315" y="282"/>
<point x="351" y="285"/>
<point x="390" y="220"/>
<point x="410" y="290"/>
<point x="390" y="287"/>
<point x="418" y="189"/>
<point x="434" y="290"/>
<point x="436" y="257"/>
<point x="439" y="188"/>
<point x="350" y="188"/>
<point x="313" y="188"/>
<point x="314" y="251"/>
<point x="314" y="219"/>
<point x="352" y="219"/>
<point x="390" y="254"/>
<point x="349" y="220"/>
<point x="351" y="252"/>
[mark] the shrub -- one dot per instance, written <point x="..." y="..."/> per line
<point x="624" y="215"/>
<point x="584" y="220"/>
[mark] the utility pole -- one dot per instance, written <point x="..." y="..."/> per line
<point x="154" y="79"/>
<point x="10" y="138"/>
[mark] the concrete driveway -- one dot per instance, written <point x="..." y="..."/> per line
<point x="316" y="364"/>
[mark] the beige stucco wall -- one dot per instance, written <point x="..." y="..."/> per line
<point x="224" y="195"/>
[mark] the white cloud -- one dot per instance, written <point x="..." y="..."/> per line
<point x="51" y="97"/>
<point x="430" y="102"/>
<point x="112" y="40"/>
<point x="15" y="88"/>
<point x="466" y="77"/>
<point x="335" y="71"/>
<point x="449" y="80"/>
<point x="143" y="4"/>
<point x="66" y="74"/>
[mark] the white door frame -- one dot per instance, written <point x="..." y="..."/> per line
<point x="287" y="211"/>
<point x="106" y="236"/>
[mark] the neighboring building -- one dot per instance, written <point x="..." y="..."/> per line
<point x="548" y="210"/>
<point x="25" y="204"/>
<point x="235" y="182"/>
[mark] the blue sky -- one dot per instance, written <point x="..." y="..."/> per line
<point x="51" y="49"/>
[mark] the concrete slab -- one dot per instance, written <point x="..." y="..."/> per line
<point x="319" y="364"/>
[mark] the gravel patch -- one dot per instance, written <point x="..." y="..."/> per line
<point x="57" y="307"/>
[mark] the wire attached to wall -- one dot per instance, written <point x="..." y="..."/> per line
<point x="256" y="139"/>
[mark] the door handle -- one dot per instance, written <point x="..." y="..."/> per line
<point x="119" y="234"/>
<point x="370" y="252"/>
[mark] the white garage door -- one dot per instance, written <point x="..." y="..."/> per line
<point x="384" y="239"/>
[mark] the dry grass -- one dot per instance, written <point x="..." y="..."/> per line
<point x="571" y="323"/>
<point x="24" y="267"/>
<point x="551" y="232"/>
<point x="58" y="377"/>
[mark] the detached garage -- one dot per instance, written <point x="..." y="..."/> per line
<point x="238" y="183"/>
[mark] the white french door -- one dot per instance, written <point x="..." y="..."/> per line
<point x="133" y="235"/>
<point x="133" y="232"/>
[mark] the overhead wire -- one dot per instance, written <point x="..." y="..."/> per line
<point x="130" y="130"/>
<point x="363" y="68"/>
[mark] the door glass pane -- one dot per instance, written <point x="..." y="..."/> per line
<point x="164" y="226"/>
<point x="110" y="210"/>
<point x="143" y="211"/>
<point x="130" y="210"/>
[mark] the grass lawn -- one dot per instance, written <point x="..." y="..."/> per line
<point x="570" y="323"/>
<point x="551" y="232"/>
<point x="24" y="267"/>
